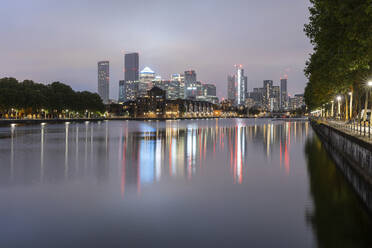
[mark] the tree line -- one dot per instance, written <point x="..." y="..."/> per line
<point x="339" y="68"/>
<point x="53" y="99"/>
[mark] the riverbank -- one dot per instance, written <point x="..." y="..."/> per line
<point x="352" y="154"/>
<point x="6" y="122"/>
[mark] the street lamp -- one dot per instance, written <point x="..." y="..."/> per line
<point x="351" y="105"/>
<point x="369" y="86"/>
<point x="339" y="105"/>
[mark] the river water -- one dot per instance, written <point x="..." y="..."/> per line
<point x="189" y="183"/>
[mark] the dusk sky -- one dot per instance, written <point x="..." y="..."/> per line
<point x="47" y="40"/>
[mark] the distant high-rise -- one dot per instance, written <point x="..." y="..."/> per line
<point x="146" y="78"/>
<point x="131" y="69"/>
<point x="104" y="80"/>
<point x="131" y="76"/>
<point x="268" y="91"/>
<point x="209" y="90"/>
<point x="283" y="94"/>
<point x="181" y="79"/>
<point x="131" y="90"/>
<point x="191" y="89"/>
<point x="121" y="91"/>
<point x="231" y="89"/>
<point x="241" y="86"/>
<point x="275" y="98"/>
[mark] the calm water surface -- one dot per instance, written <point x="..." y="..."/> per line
<point x="202" y="183"/>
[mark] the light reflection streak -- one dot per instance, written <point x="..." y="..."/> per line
<point x="123" y="168"/>
<point x="77" y="149"/>
<point x="12" y="134"/>
<point x="42" y="154"/>
<point x="86" y="145"/>
<point x="161" y="154"/>
<point x="66" y="149"/>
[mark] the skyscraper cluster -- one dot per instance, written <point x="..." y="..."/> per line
<point x="137" y="84"/>
<point x="270" y="97"/>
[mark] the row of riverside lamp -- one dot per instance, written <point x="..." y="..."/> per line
<point x="339" y="98"/>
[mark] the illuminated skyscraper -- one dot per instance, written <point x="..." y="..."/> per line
<point x="121" y="91"/>
<point x="241" y="86"/>
<point x="181" y="79"/>
<point x="146" y="78"/>
<point x="104" y="80"/>
<point x="268" y="92"/>
<point x="190" y="85"/>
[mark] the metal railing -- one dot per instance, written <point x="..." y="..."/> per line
<point x="362" y="128"/>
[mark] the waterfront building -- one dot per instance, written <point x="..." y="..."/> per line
<point x="297" y="101"/>
<point x="191" y="89"/>
<point x="231" y="88"/>
<point x="104" y="80"/>
<point x="155" y="105"/>
<point x="283" y="94"/>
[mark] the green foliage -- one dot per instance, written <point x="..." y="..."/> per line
<point x="341" y="32"/>
<point x="55" y="97"/>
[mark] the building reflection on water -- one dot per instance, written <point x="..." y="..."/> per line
<point x="147" y="152"/>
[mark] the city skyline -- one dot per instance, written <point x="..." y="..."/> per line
<point x="266" y="48"/>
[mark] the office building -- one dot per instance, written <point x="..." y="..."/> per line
<point x="181" y="79"/>
<point x="131" y="90"/>
<point x="121" y="91"/>
<point x="241" y="85"/>
<point x="268" y="89"/>
<point x="104" y="80"/>
<point x="146" y="78"/>
<point x="209" y="90"/>
<point x="190" y="85"/>
<point x="283" y="94"/>
<point x="257" y="96"/>
<point x="231" y="89"/>
<point x="275" y="103"/>
<point x="131" y="68"/>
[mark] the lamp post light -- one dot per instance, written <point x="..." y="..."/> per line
<point x="351" y="105"/>
<point x="332" y="108"/>
<point x="369" y="86"/>
<point x="339" y="106"/>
